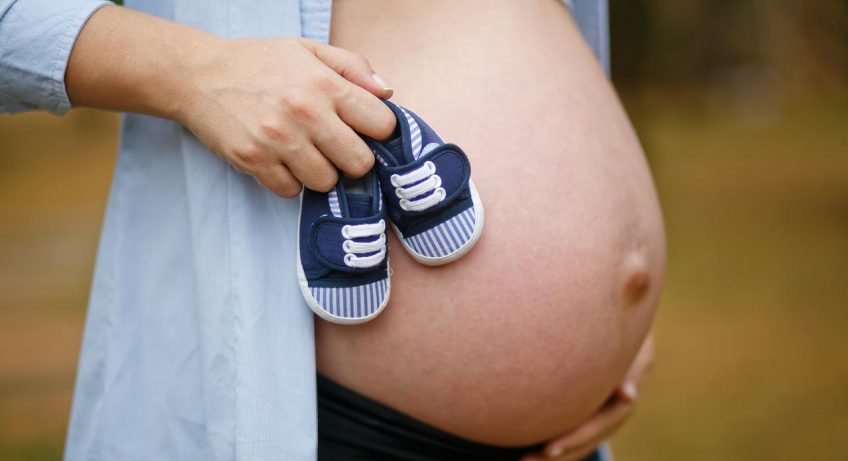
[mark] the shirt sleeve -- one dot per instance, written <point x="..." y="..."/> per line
<point x="36" y="37"/>
<point x="593" y="20"/>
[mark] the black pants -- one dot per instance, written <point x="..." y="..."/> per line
<point x="352" y="427"/>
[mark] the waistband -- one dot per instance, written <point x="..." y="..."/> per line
<point x="353" y="427"/>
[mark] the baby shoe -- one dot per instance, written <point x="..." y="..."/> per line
<point x="430" y="198"/>
<point x="342" y="262"/>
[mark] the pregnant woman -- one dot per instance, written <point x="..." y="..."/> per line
<point x="529" y="334"/>
<point x="198" y="345"/>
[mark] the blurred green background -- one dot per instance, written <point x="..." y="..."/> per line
<point x="742" y="106"/>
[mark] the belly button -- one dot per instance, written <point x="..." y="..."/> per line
<point x="638" y="279"/>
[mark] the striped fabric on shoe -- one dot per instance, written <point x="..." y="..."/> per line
<point x="343" y="264"/>
<point x="445" y="238"/>
<point x="352" y="302"/>
<point x="430" y="198"/>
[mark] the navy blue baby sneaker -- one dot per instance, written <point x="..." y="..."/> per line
<point x="343" y="266"/>
<point x="430" y="198"/>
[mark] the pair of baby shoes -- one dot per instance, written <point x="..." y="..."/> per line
<point x="421" y="186"/>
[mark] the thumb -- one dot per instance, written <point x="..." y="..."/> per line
<point x="354" y="67"/>
<point x="628" y="390"/>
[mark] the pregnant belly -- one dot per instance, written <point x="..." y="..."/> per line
<point x="531" y="331"/>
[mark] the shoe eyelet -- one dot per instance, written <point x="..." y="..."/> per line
<point x="346" y="232"/>
<point x="394" y="180"/>
<point x="348" y="259"/>
<point x="346" y="246"/>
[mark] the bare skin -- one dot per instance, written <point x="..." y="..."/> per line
<point x="582" y="440"/>
<point x="285" y="110"/>
<point x="532" y="332"/>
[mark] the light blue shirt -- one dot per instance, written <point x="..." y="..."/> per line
<point x="198" y="345"/>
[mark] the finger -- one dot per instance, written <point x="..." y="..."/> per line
<point x="279" y="180"/>
<point x="311" y="168"/>
<point x="575" y="455"/>
<point x="578" y="454"/>
<point x="344" y="148"/>
<point x="595" y="430"/>
<point x="354" y="67"/>
<point x="644" y="359"/>
<point x="365" y="113"/>
<point x="632" y="382"/>
<point x="628" y="390"/>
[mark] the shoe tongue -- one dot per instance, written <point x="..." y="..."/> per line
<point x="422" y="139"/>
<point x="359" y="205"/>
<point x="395" y="147"/>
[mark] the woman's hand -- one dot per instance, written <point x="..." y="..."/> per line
<point x="585" y="438"/>
<point x="287" y="111"/>
<point x="283" y="110"/>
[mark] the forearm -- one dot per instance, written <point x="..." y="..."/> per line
<point x="285" y="110"/>
<point x="129" y="61"/>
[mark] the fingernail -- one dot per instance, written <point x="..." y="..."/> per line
<point x="379" y="80"/>
<point x="629" y="389"/>
<point x="554" y="452"/>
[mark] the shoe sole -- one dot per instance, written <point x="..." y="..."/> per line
<point x="313" y="303"/>
<point x="479" y="216"/>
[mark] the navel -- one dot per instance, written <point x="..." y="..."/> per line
<point x="637" y="278"/>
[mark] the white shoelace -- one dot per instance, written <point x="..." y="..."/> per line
<point x="429" y="182"/>
<point x="350" y="246"/>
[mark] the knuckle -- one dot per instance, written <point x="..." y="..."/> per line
<point x="343" y="93"/>
<point x="275" y="130"/>
<point x="291" y="149"/>
<point x="289" y="189"/>
<point x="278" y="183"/>
<point x="298" y="104"/>
<point x="386" y="121"/>
<point x="351" y="142"/>
<point x="360" y="165"/>
<point x="325" y="82"/>
<point x="326" y="180"/>
<point x="360" y="60"/>
<point x="249" y="153"/>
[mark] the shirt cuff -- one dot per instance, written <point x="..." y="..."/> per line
<point x="36" y="39"/>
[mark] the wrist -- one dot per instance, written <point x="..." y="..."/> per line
<point x="187" y="75"/>
<point x="147" y="68"/>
